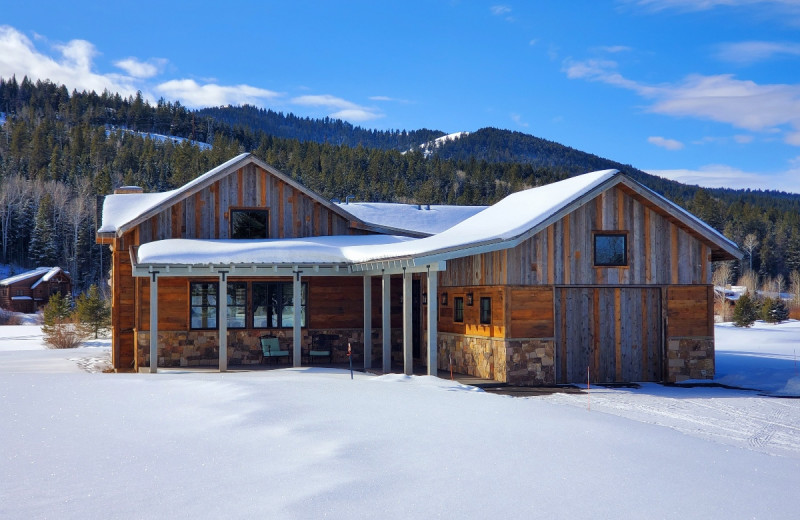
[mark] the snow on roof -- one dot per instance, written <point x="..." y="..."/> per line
<point x="17" y="298"/>
<point x="317" y="250"/>
<point x="47" y="277"/>
<point x="121" y="209"/>
<point x="39" y="271"/>
<point x="419" y="218"/>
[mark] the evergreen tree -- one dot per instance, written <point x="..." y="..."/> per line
<point x="745" y="313"/>
<point x="58" y="326"/>
<point x="92" y="312"/>
<point x="774" y="310"/>
<point x="43" y="249"/>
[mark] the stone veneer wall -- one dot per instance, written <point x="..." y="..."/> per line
<point x="515" y="361"/>
<point x="690" y="358"/>
<point x="201" y="347"/>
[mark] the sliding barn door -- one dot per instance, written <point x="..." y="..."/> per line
<point x="613" y="332"/>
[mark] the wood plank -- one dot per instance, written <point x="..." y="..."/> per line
<point x="617" y="335"/>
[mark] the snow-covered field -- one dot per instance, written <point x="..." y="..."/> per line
<point x="312" y="443"/>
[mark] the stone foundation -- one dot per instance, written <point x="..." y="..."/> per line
<point x="690" y="358"/>
<point x="530" y="362"/>
<point x="201" y="347"/>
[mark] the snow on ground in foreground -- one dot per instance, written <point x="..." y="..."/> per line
<point x="311" y="443"/>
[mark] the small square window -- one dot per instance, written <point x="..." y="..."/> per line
<point x="486" y="311"/>
<point x="249" y="224"/>
<point x="611" y="249"/>
<point x="458" y="309"/>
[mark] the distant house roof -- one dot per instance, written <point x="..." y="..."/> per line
<point x="503" y="225"/>
<point x="43" y="273"/>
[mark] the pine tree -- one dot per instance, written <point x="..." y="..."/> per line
<point x="774" y="310"/>
<point x="745" y="312"/>
<point x="58" y="326"/>
<point x="92" y="312"/>
<point x="43" y="250"/>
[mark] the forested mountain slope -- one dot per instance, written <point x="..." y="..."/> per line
<point x="59" y="150"/>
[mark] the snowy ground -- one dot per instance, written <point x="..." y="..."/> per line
<point x="311" y="443"/>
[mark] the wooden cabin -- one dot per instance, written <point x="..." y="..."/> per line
<point x="30" y="291"/>
<point x="593" y="277"/>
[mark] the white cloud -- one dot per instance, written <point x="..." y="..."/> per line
<point x="195" y="95"/>
<point x="342" y="109"/>
<point x="722" y="98"/>
<point x="615" y="49"/>
<point x="141" y="69"/>
<point x="724" y="176"/>
<point x="500" y="10"/>
<point x="19" y="56"/>
<point x="743" y="138"/>
<point x="669" y="144"/>
<point x="518" y="120"/>
<point x="389" y="99"/>
<point x="754" y="51"/>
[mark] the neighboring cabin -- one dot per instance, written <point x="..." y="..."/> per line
<point x="595" y="273"/>
<point x="30" y="291"/>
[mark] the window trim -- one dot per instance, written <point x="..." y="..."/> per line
<point x="233" y="210"/>
<point x="486" y="320"/>
<point x="458" y="309"/>
<point x="230" y="306"/>
<point x="191" y="306"/>
<point x="626" y="256"/>
<point x="303" y="306"/>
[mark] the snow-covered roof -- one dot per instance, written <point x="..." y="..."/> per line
<point x="47" y="277"/>
<point x="39" y="271"/>
<point x="20" y="298"/>
<point x="418" y="218"/>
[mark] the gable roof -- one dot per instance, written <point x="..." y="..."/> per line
<point x="425" y="219"/>
<point x="43" y="273"/>
<point x="122" y="212"/>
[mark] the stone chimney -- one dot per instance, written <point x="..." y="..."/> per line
<point x="124" y="190"/>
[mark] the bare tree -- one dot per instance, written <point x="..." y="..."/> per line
<point x="750" y="281"/>
<point x="720" y="278"/>
<point x="750" y="244"/>
<point x="14" y="192"/>
<point x="794" y="287"/>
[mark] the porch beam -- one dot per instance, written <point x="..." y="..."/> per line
<point x="433" y="325"/>
<point x="386" y="321"/>
<point x="408" y="346"/>
<point x="297" y="331"/>
<point x="154" y="323"/>
<point x="367" y="322"/>
<point x="222" y="321"/>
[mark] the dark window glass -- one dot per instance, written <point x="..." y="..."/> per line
<point x="610" y="249"/>
<point x="458" y="309"/>
<point x="273" y="305"/>
<point x="486" y="311"/>
<point x="237" y="305"/>
<point x="251" y="223"/>
<point x="203" y="305"/>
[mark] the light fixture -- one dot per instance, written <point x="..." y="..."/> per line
<point x="469" y="299"/>
<point x="444" y="299"/>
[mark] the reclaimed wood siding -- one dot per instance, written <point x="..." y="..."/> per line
<point x="471" y="325"/>
<point x="206" y="214"/>
<point x="690" y="311"/>
<point x="615" y="333"/>
<point x="531" y="312"/>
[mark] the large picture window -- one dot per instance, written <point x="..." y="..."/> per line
<point x="237" y="305"/>
<point x="249" y="223"/>
<point x="273" y="305"/>
<point x="203" y="305"/>
<point x="611" y="249"/>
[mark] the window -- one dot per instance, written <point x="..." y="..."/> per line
<point x="610" y="249"/>
<point x="486" y="311"/>
<point x="237" y="305"/>
<point x="203" y="305"/>
<point x="458" y="309"/>
<point x="249" y="223"/>
<point x="273" y="305"/>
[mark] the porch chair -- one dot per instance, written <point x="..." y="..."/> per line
<point x="271" y="348"/>
<point x="321" y="346"/>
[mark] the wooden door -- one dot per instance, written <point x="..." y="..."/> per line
<point x="614" y="332"/>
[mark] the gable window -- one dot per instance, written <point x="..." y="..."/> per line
<point x="273" y="305"/>
<point x="486" y="311"/>
<point x="237" y="305"/>
<point x="611" y="249"/>
<point x="249" y="223"/>
<point x="458" y="309"/>
<point x="203" y="309"/>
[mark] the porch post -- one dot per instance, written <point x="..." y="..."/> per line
<point x="367" y="322"/>
<point x="222" y="321"/>
<point x="297" y="331"/>
<point x="408" y="350"/>
<point x="153" y="323"/>
<point x="433" y="325"/>
<point x="386" y="321"/>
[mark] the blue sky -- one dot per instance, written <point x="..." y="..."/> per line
<point x="705" y="91"/>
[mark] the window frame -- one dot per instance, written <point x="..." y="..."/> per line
<point x="458" y="309"/>
<point x="486" y="319"/>
<point x="608" y="234"/>
<point x="230" y="306"/>
<point x="231" y="221"/>
<point x="274" y="307"/>
<point x="205" y="305"/>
